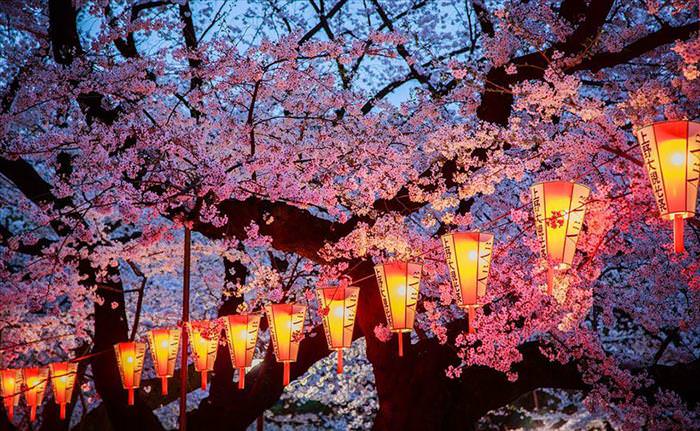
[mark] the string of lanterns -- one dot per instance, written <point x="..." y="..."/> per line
<point x="671" y="152"/>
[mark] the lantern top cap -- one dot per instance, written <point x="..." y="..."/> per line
<point x="542" y="183"/>
<point x="397" y="262"/>
<point x="292" y="305"/>
<point x="471" y="232"/>
<point x="656" y="123"/>
<point x="328" y="288"/>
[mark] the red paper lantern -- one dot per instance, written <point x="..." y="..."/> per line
<point x="204" y="342"/>
<point x="164" y="347"/>
<point x="35" y="379"/>
<point x="63" y="376"/>
<point x="242" y="335"/>
<point x="559" y="207"/>
<point x="468" y="256"/>
<point x="671" y="152"/>
<point x="130" y="356"/>
<point x="10" y="389"/>
<point x="286" y="330"/>
<point x="338" y="309"/>
<point x="399" y="283"/>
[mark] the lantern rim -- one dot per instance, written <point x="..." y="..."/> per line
<point x="672" y="215"/>
<point x="653" y="123"/>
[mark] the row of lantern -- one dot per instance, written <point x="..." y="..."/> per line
<point x="671" y="153"/>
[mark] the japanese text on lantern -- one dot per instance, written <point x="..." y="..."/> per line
<point x="650" y="155"/>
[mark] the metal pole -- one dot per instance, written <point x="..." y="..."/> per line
<point x="183" y="338"/>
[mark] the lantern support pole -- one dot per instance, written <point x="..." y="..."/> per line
<point x="340" y="361"/>
<point x="131" y="396"/>
<point x="62" y="412"/>
<point x="241" y="378"/>
<point x="204" y="380"/>
<point x="550" y="279"/>
<point x="32" y="413"/>
<point x="400" y="334"/>
<point x="678" y="233"/>
<point x="471" y="311"/>
<point x="164" y="385"/>
<point x="285" y="377"/>
<point x="185" y="319"/>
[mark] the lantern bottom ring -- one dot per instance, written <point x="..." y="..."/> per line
<point x="682" y="214"/>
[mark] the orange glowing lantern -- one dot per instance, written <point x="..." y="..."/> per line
<point x="35" y="379"/>
<point x="242" y="335"/>
<point x="286" y="330"/>
<point x="10" y="389"/>
<point x="468" y="256"/>
<point x="338" y="308"/>
<point x="671" y="151"/>
<point x="164" y="347"/>
<point x="62" y="381"/>
<point x="130" y="356"/>
<point x="559" y="208"/>
<point x="204" y="344"/>
<point x="399" y="283"/>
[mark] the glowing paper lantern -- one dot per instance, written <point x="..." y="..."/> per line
<point x="338" y="309"/>
<point x="10" y="389"/>
<point x="671" y="151"/>
<point x="204" y="344"/>
<point x="130" y="356"/>
<point x="399" y="283"/>
<point x="164" y="346"/>
<point x="35" y="379"/>
<point x="559" y="208"/>
<point x="468" y="256"/>
<point x="242" y="335"/>
<point x="286" y="330"/>
<point x="62" y="381"/>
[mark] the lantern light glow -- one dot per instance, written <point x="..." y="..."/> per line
<point x="130" y="356"/>
<point x="204" y="346"/>
<point x="10" y="389"/>
<point x="468" y="256"/>
<point x="164" y="347"/>
<point x="671" y="152"/>
<point x="63" y="376"/>
<point x="338" y="309"/>
<point x="559" y="207"/>
<point x="242" y="336"/>
<point x="35" y="379"/>
<point x="286" y="330"/>
<point x="399" y="284"/>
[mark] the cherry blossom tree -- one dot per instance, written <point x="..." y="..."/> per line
<point x="303" y="142"/>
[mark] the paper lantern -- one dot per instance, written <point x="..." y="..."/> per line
<point x="204" y="343"/>
<point x="399" y="283"/>
<point x="35" y="379"/>
<point x="62" y="381"/>
<point x="559" y="208"/>
<point x="164" y="346"/>
<point x="286" y="330"/>
<point x="671" y="152"/>
<point x="242" y="335"/>
<point x="468" y="256"/>
<point x="130" y="356"/>
<point x="338" y="309"/>
<point x="10" y="389"/>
